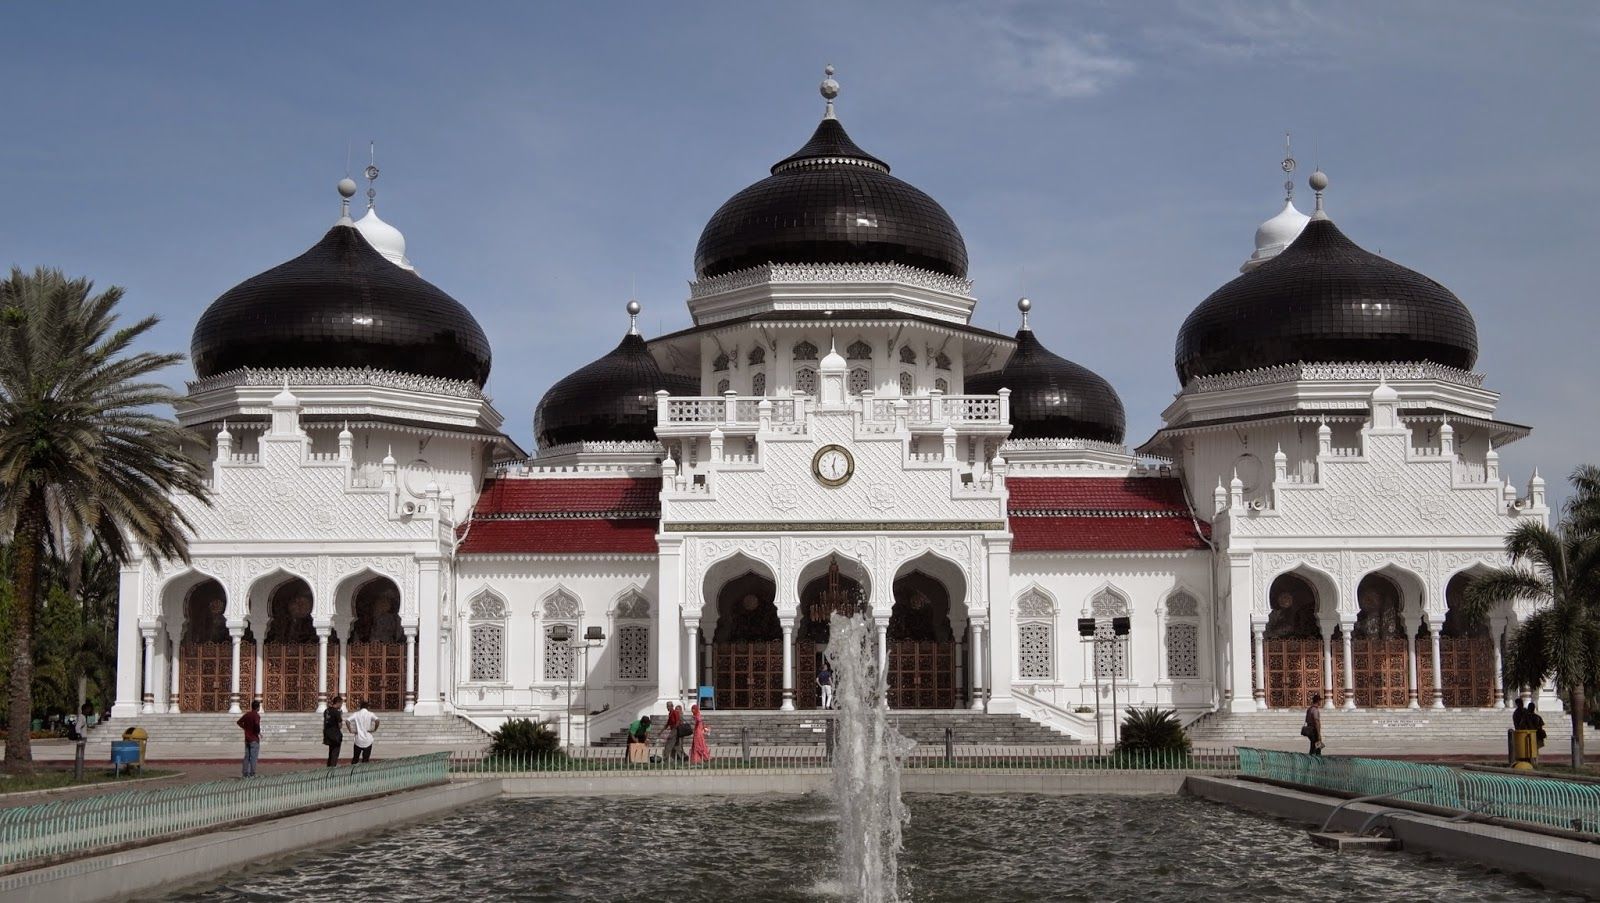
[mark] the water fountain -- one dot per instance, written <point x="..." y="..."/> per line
<point x="866" y="766"/>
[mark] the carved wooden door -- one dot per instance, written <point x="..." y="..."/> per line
<point x="807" y="662"/>
<point x="1380" y="672"/>
<point x="290" y="679"/>
<point x="749" y="674"/>
<point x="378" y="675"/>
<point x="922" y="674"/>
<point x="205" y="676"/>
<point x="1466" y="666"/>
<point x="1293" y="671"/>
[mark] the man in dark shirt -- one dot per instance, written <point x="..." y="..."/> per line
<point x="251" y="723"/>
<point x="669" y="750"/>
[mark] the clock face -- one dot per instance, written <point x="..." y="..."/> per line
<point x="832" y="465"/>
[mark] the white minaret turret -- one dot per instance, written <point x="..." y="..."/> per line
<point x="384" y="238"/>
<point x="285" y="412"/>
<point x="832" y="369"/>
<point x="1280" y="231"/>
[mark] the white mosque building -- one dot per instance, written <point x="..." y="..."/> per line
<point x="833" y="434"/>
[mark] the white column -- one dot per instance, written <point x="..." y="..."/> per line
<point x="1258" y="631"/>
<point x="788" y="666"/>
<point x="1239" y="607"/>
<point x="1411" y="669"/>
<point x="235" y="634"/>
<point x="1328" y="677"/>
<point x="128" y="643"/>
<point x="260" y="688"/>
<point x="1438" y="683"/>
<point x="669" y="614"/>
<point x="694" y="661"/>
<point x="999" y="632"/>
<point x="322" y="666"/>
<point x="977" y="665"/>
<point x="426" y="678"/>
<point x="411" y="669"/>
<point x="344" y="659"/>
<point x="174" y="688"/>
<point x="147" y="699"/>
<point x="1497" y="634"/>
<point x="1347" y="627"/>
<point x="882" y="624"/>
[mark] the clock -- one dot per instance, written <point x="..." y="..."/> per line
<point x="832" y="465"/>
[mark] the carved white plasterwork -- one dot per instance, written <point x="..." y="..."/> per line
<point x="339" y="376"/>
<point x="1035" y="603"/>
<point x="830" y="274"/>
<point x="632" y="605"/>
<point x="561" y="605"/>
<point x="701" y="553"/>
<point x="1287" y="373"/>
<point x="1432" y="568"/>
<point x="488" y="605"/>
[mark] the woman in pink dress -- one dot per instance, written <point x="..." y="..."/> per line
<point x="699" y="751"/>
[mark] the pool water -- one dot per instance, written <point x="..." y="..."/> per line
<point x="759" y="849"/>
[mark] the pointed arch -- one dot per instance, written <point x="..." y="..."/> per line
<point x="487" y="613"/>
<point x="487" y="604"/>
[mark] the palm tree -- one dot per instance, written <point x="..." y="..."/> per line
<point x="1560" y="569"/>
<point x="83" y="453"/>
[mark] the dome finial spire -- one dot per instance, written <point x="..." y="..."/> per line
<point x="1024" y="305"/>
<point x="1288" y="169"/>
<point x="829" y="89"/>
<point x="347" y="190"/>
<point x="633" y="316"/>
<point x="1318" y="182"/>
<point x="372" y="174"/>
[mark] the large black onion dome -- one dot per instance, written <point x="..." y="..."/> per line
<point x="340" y="304"/>
<point x="830" y="202"/>
<point x="1052" y="397"/>
<point x="1325" y="299"/>
<point x="612" y="399"/>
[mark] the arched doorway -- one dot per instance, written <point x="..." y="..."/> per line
<point x="1466" y="655"/>
<point x="205" y="652"/>
<point x="1378" y="646"/>
<point x="1292" y="643"/>
<point x="377" y="653"/>
<point x="747" y="647"/>
<point x="289" y="654"/>
<point x="922" y="647"/>
<point x="821" y="598"/>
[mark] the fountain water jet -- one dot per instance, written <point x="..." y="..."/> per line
<point x="866" y="766"/>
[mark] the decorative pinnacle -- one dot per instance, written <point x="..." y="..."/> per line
<point x="1024" y="305"/>
<point x="1288" y="168"/>
<point x="371" y="173"/>
<point x="1318" y="182"/>
<point x="347" y="190"/>
<point x="829" y="89"/>
<point x="633" y="317"/>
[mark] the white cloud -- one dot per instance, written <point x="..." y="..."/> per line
<point x="1044" y="58"/>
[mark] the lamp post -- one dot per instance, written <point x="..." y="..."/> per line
<point x="1119" y="628"/>
<point x="561" y="633"/>
<point x="1086" y="631"/>
<point x="593" y="638"/>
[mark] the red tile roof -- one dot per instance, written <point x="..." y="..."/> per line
<point x="1101" y="514"/>
<point x="553" y="516"/>
<point x="569" y="496"/>
<point x="588" y="535"/>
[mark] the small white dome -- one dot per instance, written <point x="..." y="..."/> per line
<point x="1385" y="393"/>
<point x="1276" y="234"/>
<point x="833" y="361"/>
<point x="384" y="238"/>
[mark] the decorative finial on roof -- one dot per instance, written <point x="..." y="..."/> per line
<point x="1318" y="182"/>
<point x="633" y="317"/>
<point x="1024" y="305"/>
<point x="1288" y="169"/>
<point x="372" y="174"/>
<point x="347" y="190"/>
<point x="829" y="89"/>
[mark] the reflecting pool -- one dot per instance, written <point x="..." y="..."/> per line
<point x="957" y="848"/>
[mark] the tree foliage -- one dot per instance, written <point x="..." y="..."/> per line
<point x="525" y="738"/>
<point x="1152" y="730"/>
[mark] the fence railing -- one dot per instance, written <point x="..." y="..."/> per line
<point x="1541" y="801"/>
<point x="81" y="825"/>
<point x="588" y="761"/>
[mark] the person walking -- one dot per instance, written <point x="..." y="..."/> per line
<point x="699" y="750"/>
<point x="250" y="722"/>
<point x="1312" y="730"/>
<point x="333" y="728"/>
<point x="363" y="722"/>
<point x="669" y="746"/>
<point x="825" y="684"/>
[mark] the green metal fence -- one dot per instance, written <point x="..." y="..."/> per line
<point x="1541" y="801"/>
<point x="590" y="760"/>
<point x="75" y="826"/>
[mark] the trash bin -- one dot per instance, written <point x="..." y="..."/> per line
<point x="1524" y="749"/>
<point x="139" y="735"/>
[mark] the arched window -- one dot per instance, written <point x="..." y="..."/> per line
<point x="487" y="637"/>
<point x="1036" y="659"/>
<point x="633" y="637"/>
<point x="1110" y="652"/>
<point x="720" y="362"/>
<point x="805" y="351"/>
<point x="805" y="381"/>
<point x="560" y="608"/>
<point x="722" y="386"/>
<point x="941" y="361"/>
<point x="1183" y="636"/>
<point x="942" y="384"/>
<point x="860" y="380"/>
<point x="908" y="385"/>
<point x="758" y="384"/>
<point x="758" y="355"/>
<point x="907" y="356"/>
<point x="858" y="351"/>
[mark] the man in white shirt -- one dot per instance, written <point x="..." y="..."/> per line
<point x="363" y="723"/>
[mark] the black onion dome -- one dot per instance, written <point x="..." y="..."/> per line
<point x="1052" y="397"/>
<point x="340" y="304"/>
<point x="612" y="399"/>
<point x="830" y="202"/>
<point x="1325" y="299"/>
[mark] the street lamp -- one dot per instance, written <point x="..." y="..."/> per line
<point x="1119" y="628"/>
<point x="1086" y="631"/>
<point x="594" y="638"/>
<point x="561" y="633"/>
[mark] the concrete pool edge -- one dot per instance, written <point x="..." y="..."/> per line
<point x="1556" y="862"/>
<point x="1120" y="783"/>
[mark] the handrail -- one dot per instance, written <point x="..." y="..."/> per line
<point x="1367" y="799"/>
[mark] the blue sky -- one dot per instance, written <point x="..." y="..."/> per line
<point x="1111" y="160"/>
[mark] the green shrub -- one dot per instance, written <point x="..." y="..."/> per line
<point x="522" y="737"/>
<point x="1152" y="730"/>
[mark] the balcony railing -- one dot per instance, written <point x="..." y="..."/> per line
<point x="872" y="412"/>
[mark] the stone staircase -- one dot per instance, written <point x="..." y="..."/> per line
<point x="1375" y="730"/>
<point x="926" y="727"/>
<point x="201" y="733"/>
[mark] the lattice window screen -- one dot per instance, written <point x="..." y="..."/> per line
<point x="908" y="385"/>
<point x="633" y="652"/>
<point x="488" y="652"/>
<point x="758" y="384"/>
<point x="942" y="384"/>
<point x="1035" y="650"/>
<point x="1108" y="655"/>
<point x="558" y="656"/>
<point x="1183" y="650"/>
<point x="805" y="381"/>
<point x="860" y="381"/>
